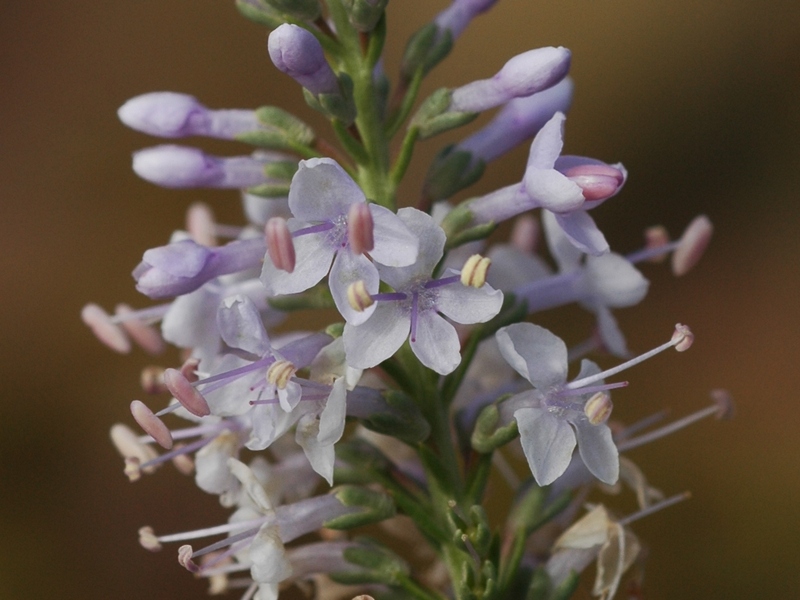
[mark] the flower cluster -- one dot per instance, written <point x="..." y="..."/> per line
<point x="428" y="373"/>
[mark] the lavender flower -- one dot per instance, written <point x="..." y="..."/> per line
<point x="297" y="53"/>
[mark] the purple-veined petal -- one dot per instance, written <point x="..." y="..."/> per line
<point x="395" y="245"/>
<point x="535" y="353"/>
<point x="547" y="442"/>
<point x="436" y="344"/>
<point x="348" y="268"/>
<point x="240" y="326"/>
<point x="598" y="451"/>
<point x="379" y="337"/>
<point x="321" y="190"/>
<point x="581" y="230"/>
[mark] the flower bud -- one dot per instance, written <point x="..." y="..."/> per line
<point x="298" y="53"/>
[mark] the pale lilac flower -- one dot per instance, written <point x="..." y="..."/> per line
<point x="296" y="52"/>
<point x="173" y="115"/>
<point x="555" y="412"/>
<point x="568" y="186"/>
<point x="184" y="266"/>
<point x="184" y="167"/>
<point x="321" y="197"/>
<point x="523" y="75"/>
<point x="413" y="308"/>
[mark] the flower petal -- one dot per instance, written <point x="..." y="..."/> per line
<point x="468" y="305"/>
<point x="598" y="451"/>
<point x="313" y="256"/>
<point x="581" y="230"/>
<point x="535" y="353"/>
<point x="348" y="268"/>
<point x="240" y="326"/>
<point x="614" y="281"/>
<point x="395" y="245"/>
<point x="376" y="339"/>
<point x="436" y="344"/>
<point x="431" y="247"/>
<point x="321" y="190"/>
<point x="547" y="442"/>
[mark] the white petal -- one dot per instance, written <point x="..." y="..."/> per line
<point x="395" y="245"/>
<point x="431" y="247"/>
<point x="332" y="417"/>
<point x="598" y="451"/>
<point x="290" y="396"/>
<point x="581" y="230"/>
<point x="564" y="252"/>
<point x="512" y="268"/>
<point x="190" y="321"/>
<point x="611" y="334"/>
<point x="553" y="190"/>
<point x="240" y="325"/>
<point x="376" y="339"/>
<point x="321" y="190"/>
<point x="546" y="146"/>
<point x="270" y="563"/>
<point x="614" y="281"/>
<point x="320" y="456"/>
<point x="535" y="353"/>
<point x="547" y="442"/>
<point x="467" y="305"/>
<point x="313" y="256"/>
<point x="348" y="268"/>
<point x="436" y="346"/>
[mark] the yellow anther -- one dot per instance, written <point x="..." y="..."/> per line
<point x="598" y="408"/>
<point x="280" y="372"/>
<point x="474" y="271"/>
<point x="358" y="296"/>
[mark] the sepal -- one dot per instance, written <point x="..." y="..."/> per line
<point x="339" y="106"/>
<point x="487" y="437"/>
<point x="283" y="130"/>
<point x="363" y="14"/>
<point x="303" y="10"/>
<point x="451" y="171"/>
<point x="378" y="564"/>
<point x="372" y="507"/>
<point x="402" y="419"/>
<point x="433" y="117"/>
<point x="425" y="49"/>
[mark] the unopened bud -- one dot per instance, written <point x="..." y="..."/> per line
<point x="598" y="408"/>
<point x="280" y="372"/>
<point x="358" y="296"/>
<point x="692" y="245"/>
<point x="682" y="338"/>
<point x="360" y="228"/>
<point x="151" y="424"/>
<point x="656" y="237"/>
<point x="280" y="245"/>
<point x="474" y="272"/>
<point x="180" y="387"/>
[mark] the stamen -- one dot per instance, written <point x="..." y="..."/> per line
<point x="654" y="508"/>
<point x="180" y="387"/>
<point x="656" y="239"/>
<point x="145" y="335"/>
<point x="525" y="234"/>
<point x="152" y="380"/>
<point x="474" y="272"/>
<point x="358" y="297"/>
<point x="326" y="226"/>
<point x="414" y="313"/>
<point x="148" y="539"/>
<point x="360" y="228"/>
<point x="189" y="369"/>
<point x="185" y="559"/>
<point x="280" y="372"/>
<point x="681" y="339"/>
<point x="151" y="424"/>
<point x="128" y="444"/>
<point x="598" y="408"/>
<point x="200" y="224"/>
<point x="279" y="244"/>
<point x="692" y="245"/>
<point x="105" y="329"/>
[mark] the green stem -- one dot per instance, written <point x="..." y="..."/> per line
<point x="404" y="157"/>
<point x="398" y="118"/>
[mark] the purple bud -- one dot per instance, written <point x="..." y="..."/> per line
<point x="517" y="121"/>
<point x="297" y="53"/>
<point x="183" y="167"/>
<point x="523" y="75"/>
<point x="173" y="115"/>
<point x="182" y="267"/>
<point x="458" y="15"/>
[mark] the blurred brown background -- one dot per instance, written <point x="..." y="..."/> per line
<point x="698" y="99"/>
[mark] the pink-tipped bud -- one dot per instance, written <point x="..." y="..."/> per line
<point x="598" y="408"/>
<point x="280" y="372"/>
<point x="152" y="380"/>
<point x="597" y="182"/>
<point x="726" y="409"/>
<point x="200" y="224"/>
<point x="358" y="297"/>
<point x="692" y="245"/>
<point x="145" y="335"/>
<point x="279" y="244"/>
<point x="360" y="228"/>
<point x="525" y="234"/>
<point x="474" y="272"/>
<point x="148" y="539"/>
<point x="180" y="387"/>
<point x="151" y="424"/>
<point x="656" y="237"/>
<point x="105" y="329"/>
<point x="185" y="559"/>
<point x="683" y="338"/>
